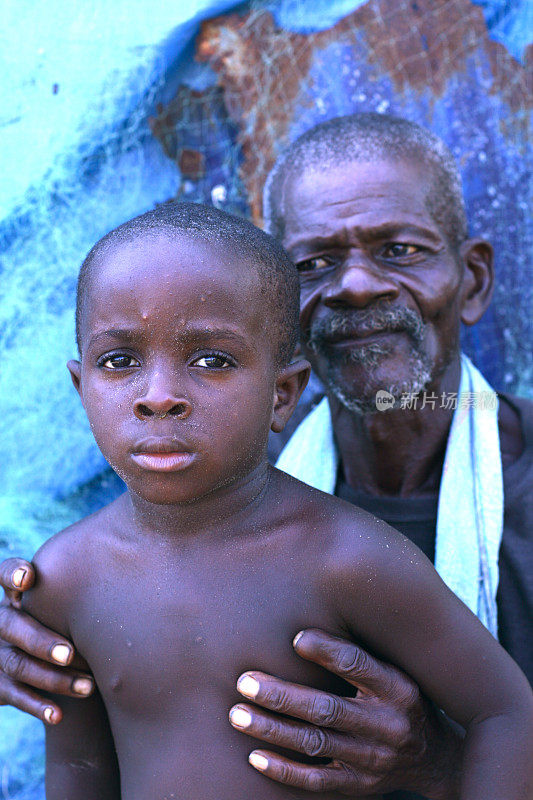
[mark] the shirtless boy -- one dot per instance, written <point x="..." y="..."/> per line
<point x="186" y="323"/>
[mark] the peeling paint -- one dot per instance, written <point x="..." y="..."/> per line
<point x="419" y="46"/>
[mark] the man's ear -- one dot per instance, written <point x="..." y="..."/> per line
<point x="478" y="282"/>
<point x="74" y="367"/>
<point x="290" y="384"/>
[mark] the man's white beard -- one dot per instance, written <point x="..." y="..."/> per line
<point x="363" y="401"/>
<point x="357" y="322"/>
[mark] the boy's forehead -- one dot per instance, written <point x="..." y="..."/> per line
<point x="177" y="253"/>
<point x="177" y="271"/>
<point x="179" y="260"/>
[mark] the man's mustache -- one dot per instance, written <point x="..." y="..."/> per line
<point x="357" y="323"/>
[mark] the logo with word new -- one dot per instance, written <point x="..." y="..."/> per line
<point x="384" y="400"/>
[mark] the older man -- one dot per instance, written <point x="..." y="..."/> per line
<point x="371" y="210"/>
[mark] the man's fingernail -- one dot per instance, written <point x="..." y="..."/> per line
<point x="240" y="717"/>
<point x="258" y="761"/>
<point x="60" y="653"/>
<point x="48" y="714"/>
<point x="248" y="686"/>
<point x="297" y="638"/>
<point x="18" y="577"/>
<point x="82" y="685"/>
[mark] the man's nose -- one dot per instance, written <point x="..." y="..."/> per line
<point x="161" y="399"/>
<point x="359" y="283"/>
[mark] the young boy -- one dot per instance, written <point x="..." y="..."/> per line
<point x="186" y="323"/>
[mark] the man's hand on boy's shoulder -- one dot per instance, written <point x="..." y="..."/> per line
<point x="386" y="739"/>
<point x="32" y="655"/>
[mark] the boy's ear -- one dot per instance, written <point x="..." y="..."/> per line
<point x="290" y="384"/>
<point x="478" y="281"/>
<point x="74" y="367"/>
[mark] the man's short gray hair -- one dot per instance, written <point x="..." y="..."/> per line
<point x="371" y="137"/>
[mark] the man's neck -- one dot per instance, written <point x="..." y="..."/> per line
<point x="399" y="452"/>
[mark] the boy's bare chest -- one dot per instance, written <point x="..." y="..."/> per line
<point x="172" y="633"/>
<point x="167" y="644"/>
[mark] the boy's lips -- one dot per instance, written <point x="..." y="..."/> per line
<point x="162" y="455"/>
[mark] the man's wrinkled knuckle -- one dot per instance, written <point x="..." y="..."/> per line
<point x="287" y="775"/>
<point x="278" y="700"/>
<point x="13" y="664"/>
<point x="317" y="781"/>
<point x="327" y="710"/>
<point x="271" y="731"/>
<point x="314" y="742"/>
<point x="353" y="662"/>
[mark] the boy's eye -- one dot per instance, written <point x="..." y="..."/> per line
<point x="213" y="361"/>
<point x="118" y="361"/>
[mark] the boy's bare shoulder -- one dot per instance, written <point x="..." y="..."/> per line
<point x="66" y="546"/>
<point x="350" y="539"/>
<point x="367" y="572"/>
<point x="64" y="563"/>
<point x="337" y="518"/>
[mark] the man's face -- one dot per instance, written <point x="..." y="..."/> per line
<point x="380" y="299"/>
<point x="176" y="379"/>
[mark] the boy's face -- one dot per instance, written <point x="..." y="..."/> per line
<point x="178" y="371"/>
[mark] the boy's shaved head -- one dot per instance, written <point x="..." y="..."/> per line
<point x="368" y="137"/>
<point x="277" y="273"/>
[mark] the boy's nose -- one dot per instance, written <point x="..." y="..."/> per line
<point x="144" y="408"/>
<point x="157" y="401"/>
<point x="172" y="408"/>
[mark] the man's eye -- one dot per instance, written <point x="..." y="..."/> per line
<point x="212" y="362"/>
<point x="119" y="361"/>
<point x="399" y="250"/>
<point x="313" y="264"/>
